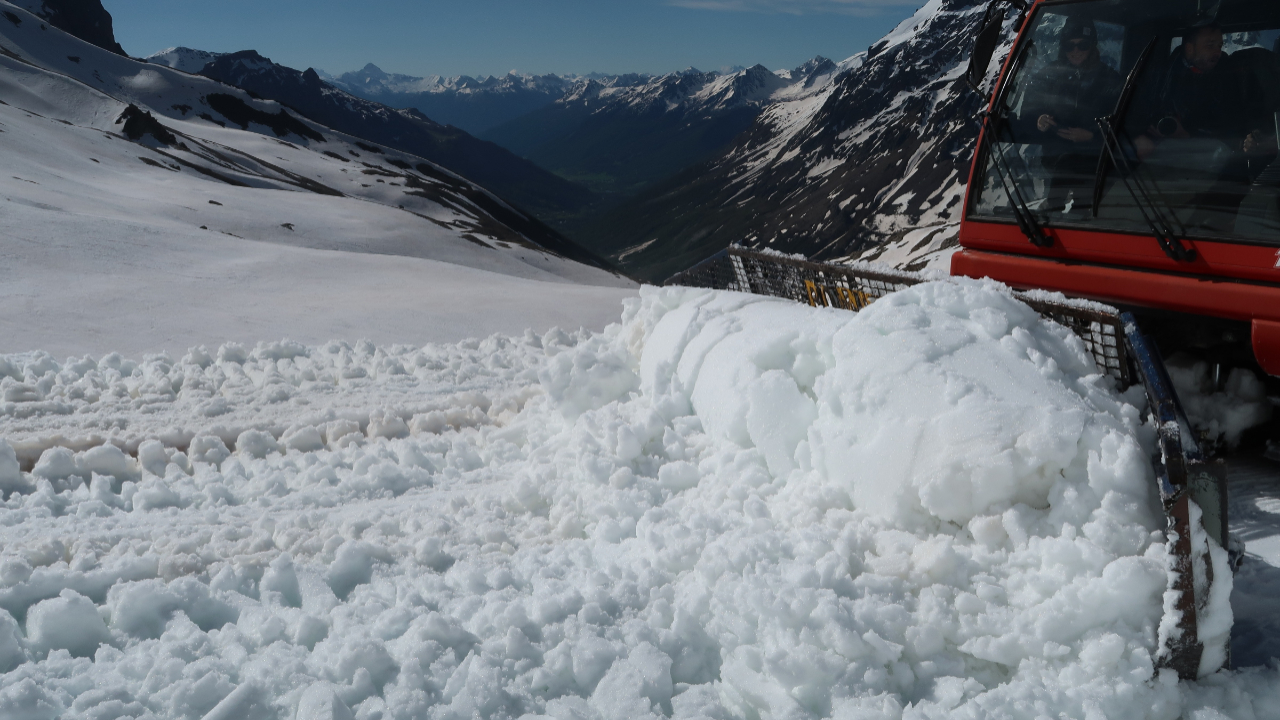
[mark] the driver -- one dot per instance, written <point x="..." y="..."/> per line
<point x="1065" y="99"/>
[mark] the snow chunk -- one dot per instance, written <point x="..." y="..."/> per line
<point x="68" y="622"/>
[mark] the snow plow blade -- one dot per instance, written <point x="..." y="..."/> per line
<point x="1185" y="476"/>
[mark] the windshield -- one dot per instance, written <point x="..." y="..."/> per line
<point x="1195" y="145"/>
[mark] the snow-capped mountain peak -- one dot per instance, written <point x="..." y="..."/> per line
<point x="183" y="58"/>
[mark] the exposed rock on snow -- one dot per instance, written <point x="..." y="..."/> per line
<point x="723" y="506"/>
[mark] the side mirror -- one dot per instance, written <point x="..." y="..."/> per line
<point x="985" y="45"/>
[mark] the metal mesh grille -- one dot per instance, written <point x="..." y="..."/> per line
<point x="855" y="287"/>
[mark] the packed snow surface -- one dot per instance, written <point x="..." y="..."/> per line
<point x="722" y="506"/>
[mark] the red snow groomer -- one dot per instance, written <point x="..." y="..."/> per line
<point x="1129" y="155"/>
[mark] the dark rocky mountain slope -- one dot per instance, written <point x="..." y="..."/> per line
<point x="883" y="149"/>
<point x="85" y="19"/>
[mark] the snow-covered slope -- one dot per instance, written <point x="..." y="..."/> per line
<point x="879" y="151"/>
<point x="724" y="506"/>
<point x="513" y="178"/>
<point x="207" y="218"/>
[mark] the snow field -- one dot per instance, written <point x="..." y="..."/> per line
<point x="722" y="506"/>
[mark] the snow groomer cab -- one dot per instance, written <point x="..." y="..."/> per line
<point x="1130" y="154"/>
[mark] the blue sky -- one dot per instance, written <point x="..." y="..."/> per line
<point x="481" y="37"/>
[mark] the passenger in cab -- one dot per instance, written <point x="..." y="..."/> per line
<point x="1065" y="100"/>
<point x="1190" y="102"/>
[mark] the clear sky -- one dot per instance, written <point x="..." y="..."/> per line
<point x="492" y="37"/>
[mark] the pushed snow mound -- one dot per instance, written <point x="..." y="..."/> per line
<point x="723" y="506"/>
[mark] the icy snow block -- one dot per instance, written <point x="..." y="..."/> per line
<point x="320" y="702"/>
<point x="68" y="622"/>
<point x="388" y="424"/>
<point x="636" y="686"/>
<point x="208" y="449"/>
<point x="11" y="654"/>
<point x="152" y="457"/>
<point x="153" y="494"/>
<point x="56" y="463"/>
<point x="233" y="353"/>
<point x="107" y="460"/>
<point x="21" y="392"/>
<point x="257" y="444"/>
<point x="303" y="439"/>
<point x="588" y="377"/>
<point x="281" y="578"/>
<point x="10" y="471"/>
<point x="143" y="608"/>
<point x="353" y="566"/>
<point x="246" y="702"/>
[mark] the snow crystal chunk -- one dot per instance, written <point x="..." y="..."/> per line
<point x="10" y="369"/>
<point x="11" y="654"/>
<point x="56" y="463"/>
<point x="304" y="439"/>
<point x="320" y="702"/>
<point x="152" y="457"/>
<point x="353" y="566"/>
<point x="388" y="424"/>
<point x="14" y="570"/>
<point x="281" y="578"/>
<point x="141" y="609"/>
<point x="198" y="356"/>
<point x="154" y="493"/>
<point x="677" y="476"/>
<point x="233" y="353"/>
<point x="635" y="686"/>
<point x="339" y="433"/>
<point x="208" y="449"/>
<point x="257" y="444"/>
<point x="68" y="622"/>
<point x="247" y="702"/>
<point x="587" y="377"/>
<point x="107" y="460"/>
<point x="592" y="658"/>
<point x="10" y="471"/>
<point x="22" y="392"/>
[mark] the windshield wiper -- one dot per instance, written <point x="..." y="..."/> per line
<point x="1022" y="213"/>
<point x="1114" y="152"/>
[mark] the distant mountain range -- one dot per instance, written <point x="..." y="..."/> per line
<point x="616" y="138"/>
<point x="472" y="104"/>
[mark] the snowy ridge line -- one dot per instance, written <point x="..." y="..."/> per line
<point x="854" y="285"/>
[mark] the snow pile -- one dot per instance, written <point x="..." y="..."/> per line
<point x="723" y="506"/>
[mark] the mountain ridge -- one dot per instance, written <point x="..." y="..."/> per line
<point x="840" y="171"/>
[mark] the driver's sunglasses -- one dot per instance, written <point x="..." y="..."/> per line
<point x="1076" y="45"/>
